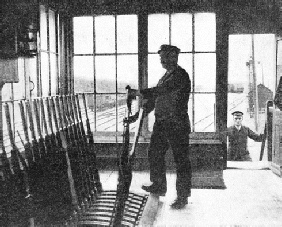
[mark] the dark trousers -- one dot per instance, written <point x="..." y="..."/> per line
<point x="175" y="135"/>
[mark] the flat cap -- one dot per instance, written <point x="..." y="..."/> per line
<point x="237" y="113"/>
<point x="169" y="48"/>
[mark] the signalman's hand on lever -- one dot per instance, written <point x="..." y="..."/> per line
<point x="131" y="119"/>
<point x="132" y="93"/>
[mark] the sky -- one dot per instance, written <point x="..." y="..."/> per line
<point x="240" y="50"/>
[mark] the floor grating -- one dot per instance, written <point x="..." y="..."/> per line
<point x="101" y="212"/>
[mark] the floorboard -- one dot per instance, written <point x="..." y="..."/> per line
<point x="253" y="196"/>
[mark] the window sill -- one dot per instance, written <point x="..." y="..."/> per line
<point x="195" y="138"/>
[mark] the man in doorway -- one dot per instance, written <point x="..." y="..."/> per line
<point x="169" y="99"/>
<point x="238" y="135"/>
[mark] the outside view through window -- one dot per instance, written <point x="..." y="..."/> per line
<point x="106" y="60"/>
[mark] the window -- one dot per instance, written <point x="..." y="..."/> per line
<point x="105" y="61"/>
<point x="195" y="35"/>
<point x="48" y="52"/>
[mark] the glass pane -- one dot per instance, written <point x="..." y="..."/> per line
<point x="44" y="74"/>
<point x="89" y="98"/>
<point x="106" y="119"/>
<point x="155" y="70"/>
<point x="19" y="88"/>
<point x="7" y="92"/>
<point x="18" y="126"/>
<point x="181" y="31"/>
<point x="59" y="33"/>
<point x="205" y="32"/>
<point x="204" y="112"/>
<point x="83" y="74"/>
<point x="190" y="113"/>
<point x="6" y="140"/>
<point x="100" y="103"/>
<point x="205" y="70"/>
<point x="83" y="35"/>
<point x="105" y="34"/>
<point x="52" y="31"/>
<point x="54" y="76"/>
<point x="185" y="61"/>
<point x="151" y="116"/>
<point x="127" y="34"/>
<point x="43" y="28"/>
<point x="34" y="119"/>
<point x="158" y="31"/>
<point x="127" y="68"/>
<point x="105" y="74"/>
<point x="279" y="61"/>
<point x="31" y="71"/>
<point x="151" y="120"/>
<point x="122" y="111"/>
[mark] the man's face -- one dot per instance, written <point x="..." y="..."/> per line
<point x="168" y="60"/>
<point x="238" y="120"/>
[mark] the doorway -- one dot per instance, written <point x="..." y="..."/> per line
<point x="251" y="82"/>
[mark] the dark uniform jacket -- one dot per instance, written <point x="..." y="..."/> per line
<point x="170" y="97"/>
<point x="238" y="139"/>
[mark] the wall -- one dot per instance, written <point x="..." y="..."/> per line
<point x="206" y="155"/>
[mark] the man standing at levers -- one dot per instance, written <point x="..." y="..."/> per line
<point x="169" y="99"/>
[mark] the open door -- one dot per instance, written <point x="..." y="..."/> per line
<point x="251" y="81"/>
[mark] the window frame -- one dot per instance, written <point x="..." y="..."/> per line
<point x="143" y="78"/>
<point x="96" y="93"/>
<point x="192" y="77"/>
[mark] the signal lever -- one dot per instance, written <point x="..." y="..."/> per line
<point x="130" y="95"/>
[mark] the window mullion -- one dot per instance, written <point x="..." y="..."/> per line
<point x="142" y="52"/>
<point x="116" y="101"/>
<point x="169" y="27"/>
<point x="193" y="73"/>
<point x="48" y="50"/>
<point x="94" y="77"/>
<point x="58" y="34"/>
<point x="38" y="82"/>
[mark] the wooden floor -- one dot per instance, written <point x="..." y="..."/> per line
<point x="253" y="197"/>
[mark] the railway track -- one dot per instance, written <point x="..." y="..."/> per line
<point x="106" y="121"/>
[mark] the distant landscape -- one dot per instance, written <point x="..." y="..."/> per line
<point x="102" y="86"/>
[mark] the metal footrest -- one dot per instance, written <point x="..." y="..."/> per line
<point x="101" y="212"/>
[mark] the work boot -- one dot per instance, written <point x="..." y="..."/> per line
<point x="153" y="188"/>
<point x="179" y="203"/>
